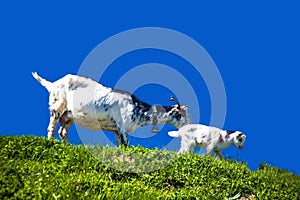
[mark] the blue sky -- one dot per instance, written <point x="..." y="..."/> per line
<point x="255" y="46"/>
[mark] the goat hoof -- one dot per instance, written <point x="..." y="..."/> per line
<point x="155" y="130"/>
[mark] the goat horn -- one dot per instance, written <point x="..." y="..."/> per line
<point x="174" y="100"/>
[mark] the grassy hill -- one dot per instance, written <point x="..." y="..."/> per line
<point x="32" y="167"/>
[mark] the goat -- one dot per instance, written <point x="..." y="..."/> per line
<point x="211" y="138"/>
<point x="93" y="106"/>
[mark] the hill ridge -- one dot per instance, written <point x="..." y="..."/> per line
<point x="35" y="167"/>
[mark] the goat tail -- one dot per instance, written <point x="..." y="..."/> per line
<point x="173" y="133"/>
<point x="43" y="82"/>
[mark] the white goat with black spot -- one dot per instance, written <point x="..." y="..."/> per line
<point x="96" y="107"/>
<point x="211" y="138"/>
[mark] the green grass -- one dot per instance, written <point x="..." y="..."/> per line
<point x="33" y="167"/>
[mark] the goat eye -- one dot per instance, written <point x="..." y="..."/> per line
<point x="240" y="139"/>
<point x="177" y="115"/>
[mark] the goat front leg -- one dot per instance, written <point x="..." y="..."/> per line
<point x="219" y="154"/>
<point x="123" y="138"/>
<point x="118" y="138"/>
<point x="123" y="125"/>
<point x="209" y="151"/>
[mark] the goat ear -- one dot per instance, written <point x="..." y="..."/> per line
<point x="184" y="107"/>
<point x="183" y="110"/>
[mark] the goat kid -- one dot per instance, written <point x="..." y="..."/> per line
<point x="96" y="107"/>
<point x="211" y="138"/>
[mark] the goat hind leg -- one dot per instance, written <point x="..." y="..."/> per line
<point x="65" y="124"/>
<point x="187" y="146"/>
<point x="56" y="109"/>
<point x="52" y="124"/>
<point x="123" y="138"/>
<point x="64" y="129"/>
